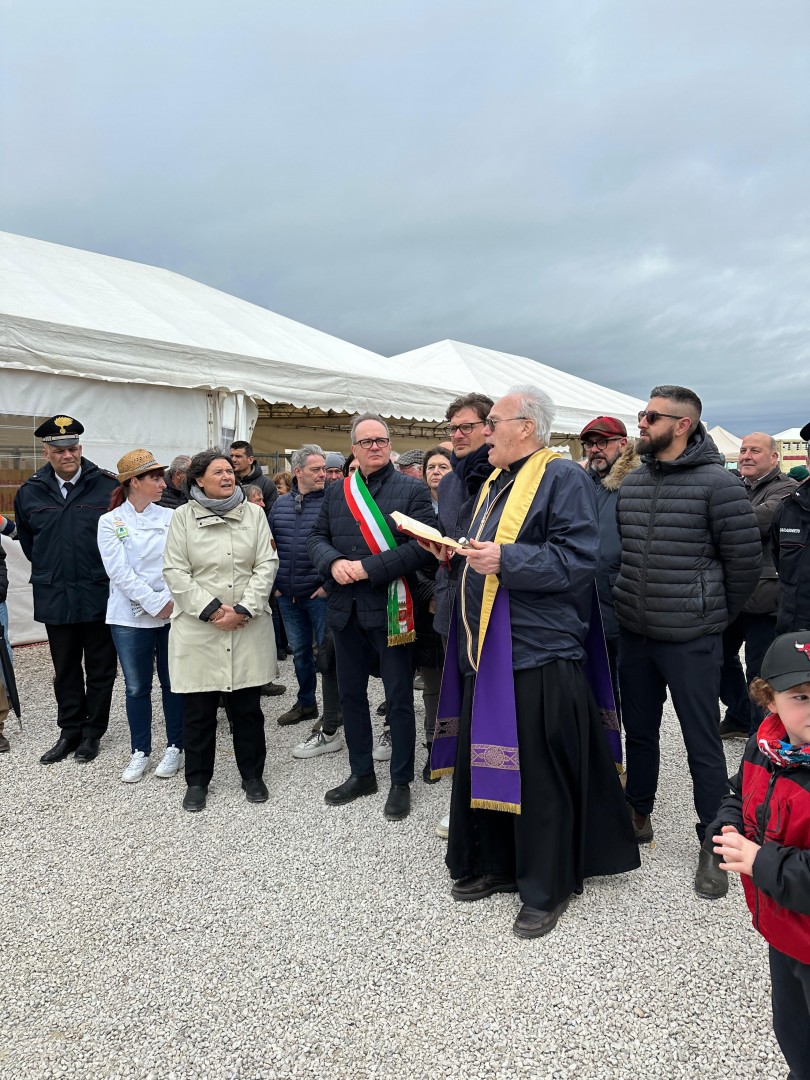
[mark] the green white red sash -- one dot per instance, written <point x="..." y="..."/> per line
<point x="379" y="538"/>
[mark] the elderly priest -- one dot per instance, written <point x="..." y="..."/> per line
<point x="536" y="806"/>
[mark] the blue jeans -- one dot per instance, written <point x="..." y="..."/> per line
<point x="139" y="650"/>
<point x="305" y="623"/>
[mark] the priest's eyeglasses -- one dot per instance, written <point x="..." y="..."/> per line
<point x="490" y="421"/>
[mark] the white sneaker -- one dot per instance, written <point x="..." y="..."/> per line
<point x="170" y="762"/>
<point x="382" y="751"/>
<point x="319" y="743"/>
<point x="138" y="765"/>
<point x="442" y="828"/>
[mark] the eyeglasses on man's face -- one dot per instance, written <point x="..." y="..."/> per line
<point x="465" y="429"/>
<point x="491" y="422"/>
<point x="367" y="444"/>
<point x="599" y="444"/>
<point x="652" y="416"/>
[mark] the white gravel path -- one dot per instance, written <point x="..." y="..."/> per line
<point x="294" y="939"/>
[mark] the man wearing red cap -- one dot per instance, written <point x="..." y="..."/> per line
<point x="610" y="458"/>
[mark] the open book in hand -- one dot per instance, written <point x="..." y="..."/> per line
<point x="421" y="531"/>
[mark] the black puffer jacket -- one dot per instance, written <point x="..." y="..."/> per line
<point x="766" y="495"/>
<point x="790" y="538"/>
<point x="58" y="537"/>
<point x="291" y="521"/>
<point x="691" y="550"/>
<point x="337" y="535"/>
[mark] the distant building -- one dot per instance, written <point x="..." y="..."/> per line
<point x="792" y="449"/>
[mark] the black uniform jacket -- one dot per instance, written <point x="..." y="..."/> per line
<point x="58" y="536"/>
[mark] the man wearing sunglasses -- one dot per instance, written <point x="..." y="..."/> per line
<point x="610" y="457"/>
<point x="691" y="557"/>
<point x="367" y="566"/>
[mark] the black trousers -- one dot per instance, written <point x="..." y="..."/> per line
<point x="790" y="1001"/>
<point x="200" y="732"/>
<point x="573" y="822"/>
<point x="757" y="632"/>
<point x="691" y="670"/>
<point x="358" y="651"/>
<point x="84" y="667"/>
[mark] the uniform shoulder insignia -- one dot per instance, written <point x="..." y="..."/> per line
<point x="111" y="475"/>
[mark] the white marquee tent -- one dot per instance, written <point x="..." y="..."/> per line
<point x="471" y="367"/>
<point x="146" y="357"/>
<point x="727" y="443"/>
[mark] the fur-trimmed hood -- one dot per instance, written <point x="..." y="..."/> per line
<point x="623" y="465"/>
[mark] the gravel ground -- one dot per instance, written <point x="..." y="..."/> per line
<point x="294" y="939"/>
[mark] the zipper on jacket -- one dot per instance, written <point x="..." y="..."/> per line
<point x="642" y="594"/>
<point x="760" y="837"/>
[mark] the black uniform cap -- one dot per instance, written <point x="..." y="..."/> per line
<point x="60" y="431"/>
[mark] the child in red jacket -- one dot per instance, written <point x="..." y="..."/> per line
<point x="763" y="832"/>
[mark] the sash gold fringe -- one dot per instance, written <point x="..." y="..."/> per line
<point x="401" y="639"/>
<point x="490" y="804"/>
<point x="437" y="774"/>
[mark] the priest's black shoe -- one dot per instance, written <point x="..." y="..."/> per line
<point x="479" y="886"/>
<point x="531" y="922"/>
<point x="255" y="790"/>
<point x="194" y="799"/>
<point x="398" y="803"/>
<point x="87" y="750"/>
<point x="59" y="751"/>
<point x="351" y="789"/>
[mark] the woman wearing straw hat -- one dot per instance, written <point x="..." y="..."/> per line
<point x="131" y="539"/>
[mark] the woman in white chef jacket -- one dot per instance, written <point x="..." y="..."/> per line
<point x="131" y="539"/>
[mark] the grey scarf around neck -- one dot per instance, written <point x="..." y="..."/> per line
<point x="217" y="506"/>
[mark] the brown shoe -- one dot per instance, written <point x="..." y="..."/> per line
<point x="642" y="826"/>
<point x="532" y="922"/>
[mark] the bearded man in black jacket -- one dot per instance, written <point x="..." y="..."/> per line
<point x="691" y="556"/>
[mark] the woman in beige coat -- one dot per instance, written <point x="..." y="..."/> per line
<point x="220" y="565"/>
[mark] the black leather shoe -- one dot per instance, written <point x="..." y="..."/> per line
<point x="398" y="803"/>
<point x="534" y="923"/>
<point x="479" y="886"/>
<point x="298" y="713"/>
<point x="5" y="745"/>
<point x="255" y="790"/>
<point x="59" y="751"/>
<point x="272" y="689"/>
<point x="710" y="881"/>
<point x="732" y="729"/>
<point x="351" y="789"/>
<point x="88" y="750"/>
<point x="194" y="799"/>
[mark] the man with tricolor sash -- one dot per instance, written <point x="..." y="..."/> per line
<point x="366" y="564"/>
<point x="536" y="805"/>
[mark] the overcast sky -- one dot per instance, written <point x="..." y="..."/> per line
<point x="619" y="189"/>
